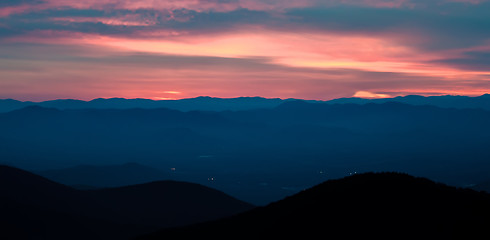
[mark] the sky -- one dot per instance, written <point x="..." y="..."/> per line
<point x="309" y="49"/>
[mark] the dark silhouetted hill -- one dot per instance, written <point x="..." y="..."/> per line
<point x="364" y="206"/>
<point x="105" y="175"/>
<point x="482" y="186"/>
<point x="33" y="207"/>
<point x="169" y="203"/>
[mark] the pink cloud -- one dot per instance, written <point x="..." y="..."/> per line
<point x="215" y="5"/>
<point x="7" y="11"/>
<point x="90" y="71"/>
<point x="246" y="60"/>
<point x="127" y="20"/>
<point x="196" y="5"/>
<point x="315" y="50"/>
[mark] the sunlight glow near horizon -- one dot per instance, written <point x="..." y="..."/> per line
<point x="308" y="49"/>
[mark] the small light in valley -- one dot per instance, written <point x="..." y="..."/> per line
<point x="352" y="173"/>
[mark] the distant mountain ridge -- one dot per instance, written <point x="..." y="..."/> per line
<point x="190" y="104"/>
<point x="240" y="103"/>
<point x="446" y="101"/>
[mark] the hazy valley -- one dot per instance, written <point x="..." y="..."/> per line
<point x="146" y="169"/>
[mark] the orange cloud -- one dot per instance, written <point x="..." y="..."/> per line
<point x="313" y="66"/>
<point x="366" y="94"/>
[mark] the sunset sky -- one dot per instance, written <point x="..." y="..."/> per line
<point x="310" y="49"/>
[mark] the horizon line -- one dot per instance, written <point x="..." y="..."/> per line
<point x="269" y="98"/>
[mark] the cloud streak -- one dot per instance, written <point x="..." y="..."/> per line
<point x="307" y="48"/>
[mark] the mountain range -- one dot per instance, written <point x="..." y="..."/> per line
<point x="33" y="207"/>
<point x="190" y="104"/>
<point x="240" y="103"/>
<point x="121" y="168"/>
<point x="258" y="155"/>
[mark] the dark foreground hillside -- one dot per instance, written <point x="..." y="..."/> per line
<point x="365" y="206"/>
<point x="33" y="207"/>
<point x="95" y="176"/>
